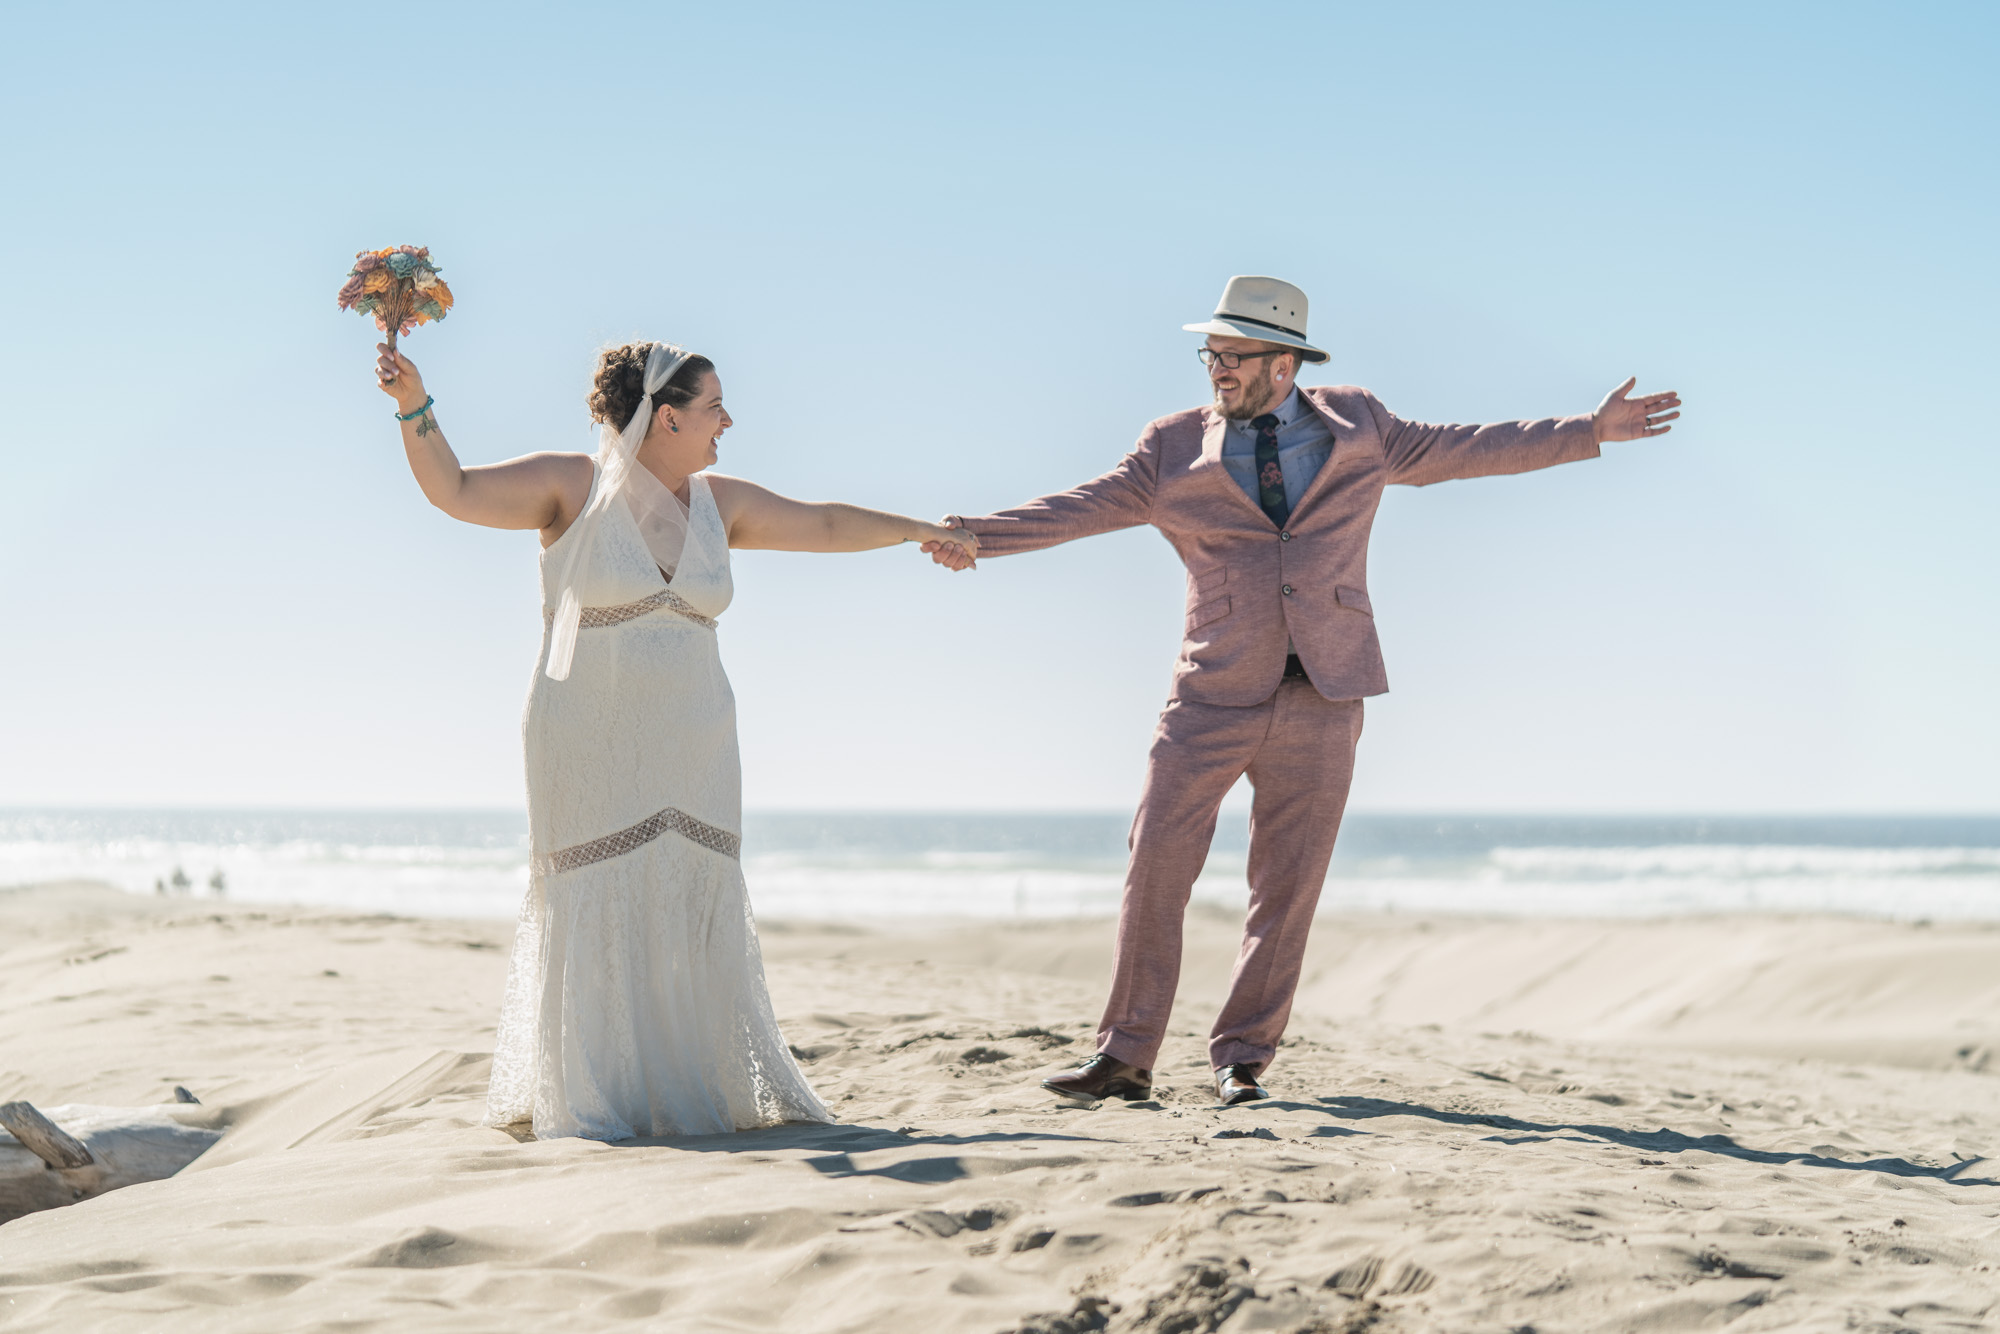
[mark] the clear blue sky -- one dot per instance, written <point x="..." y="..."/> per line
<point x="942" y="254"/>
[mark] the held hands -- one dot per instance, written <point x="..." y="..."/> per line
<point x="397" y="376"/>
<point x="1622" y="418"/>
<point x="951" y="544"/>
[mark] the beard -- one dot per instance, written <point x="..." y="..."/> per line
<point x="1258" y="398"/>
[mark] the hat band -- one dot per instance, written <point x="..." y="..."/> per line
<point x="1262" y="324"/>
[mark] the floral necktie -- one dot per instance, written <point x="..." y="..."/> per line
<point x="1270" y="476"/>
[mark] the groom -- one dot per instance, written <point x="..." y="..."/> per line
<point x="1268" y="495"/>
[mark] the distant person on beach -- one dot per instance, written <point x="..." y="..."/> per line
<point x="636" y="1002"/>
<point x="1267" y="495"/>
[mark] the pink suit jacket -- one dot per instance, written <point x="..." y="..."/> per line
<point x="1251" y="585"/>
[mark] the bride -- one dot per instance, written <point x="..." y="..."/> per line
<point x="635" y="1001"/>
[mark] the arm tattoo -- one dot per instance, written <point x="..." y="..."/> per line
<point x="425" y="425"/>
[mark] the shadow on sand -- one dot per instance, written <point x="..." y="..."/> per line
<point x="1974" y="1172"/>
<point x="836" y="1145"/>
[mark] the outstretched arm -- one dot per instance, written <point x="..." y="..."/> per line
<point x="1121" y="498"/>
<point x="760" y="519"/>
<point x="544" y="491"/>
<point x="1420" y="453"/>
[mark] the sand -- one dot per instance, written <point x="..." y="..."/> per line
<point x="1759" y="1123"/>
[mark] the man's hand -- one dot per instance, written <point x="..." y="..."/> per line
<point x="950" y="554"/>
<point x="1622" y="418"/>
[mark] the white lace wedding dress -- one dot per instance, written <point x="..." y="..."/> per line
<point x="636" y="1002"/>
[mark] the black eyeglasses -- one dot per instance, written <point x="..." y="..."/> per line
<point x="1231" y="360"/>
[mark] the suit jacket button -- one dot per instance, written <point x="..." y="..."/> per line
<point x="1284" y="537"/>
<point x="1288" y="590"/>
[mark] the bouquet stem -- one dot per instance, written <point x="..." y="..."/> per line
<point x="395" y="308"/>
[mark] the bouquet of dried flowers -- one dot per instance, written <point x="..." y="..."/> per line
<point x="399" y="286"/>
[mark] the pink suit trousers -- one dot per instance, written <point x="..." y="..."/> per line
<point x="1298" y="749"/>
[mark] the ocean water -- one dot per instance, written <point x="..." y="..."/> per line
<point x="832" y="866"/>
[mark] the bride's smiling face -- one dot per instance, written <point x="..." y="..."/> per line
<point x="684" y="438"/>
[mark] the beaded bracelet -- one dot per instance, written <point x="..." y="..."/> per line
<point x="412" y="416"/>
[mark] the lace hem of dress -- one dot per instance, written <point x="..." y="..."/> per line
<point x="596" y="618"/>
<point x="638" y="836"/>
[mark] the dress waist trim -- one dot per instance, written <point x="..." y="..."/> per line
<point x="626" y="840"/>
<point x="596" y="618"/>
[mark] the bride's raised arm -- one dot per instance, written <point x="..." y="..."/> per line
<point x="545" y="491"/>
<point x="761" y="519"/>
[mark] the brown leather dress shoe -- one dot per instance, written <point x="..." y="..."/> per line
<point x="1103" y="1076"/>
<point x="1238" y="1083"/>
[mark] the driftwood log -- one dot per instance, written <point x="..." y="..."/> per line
<point x="73" y="1152"/>
<point x="43" y="1137"/>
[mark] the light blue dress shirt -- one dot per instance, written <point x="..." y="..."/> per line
<point x="1304" y="446"/>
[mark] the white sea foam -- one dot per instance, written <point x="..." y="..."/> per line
<point x="1740" y="861"/>
<point x="832" y="867"/>
<point x="431" y="880"/>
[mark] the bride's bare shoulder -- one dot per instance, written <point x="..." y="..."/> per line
<point x="549" y="464"/>
<point x="564" y="478"/>
<point x="568" y="461"/>
<point x="730" y="492"/>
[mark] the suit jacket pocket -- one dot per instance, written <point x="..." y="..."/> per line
<point x="1204" y="580"/>
<point x="1206" y="612"/>
<point x="1356" y="598"/>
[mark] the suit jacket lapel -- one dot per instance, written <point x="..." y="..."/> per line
<point x="1212" y="436"/>
<point x="1211" y="463"/>
<point x="1338" y="426"/>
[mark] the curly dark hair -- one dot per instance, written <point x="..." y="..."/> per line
<point x="620" y="383"/>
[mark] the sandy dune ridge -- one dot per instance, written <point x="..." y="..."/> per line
<point x="1765" y="1124"/>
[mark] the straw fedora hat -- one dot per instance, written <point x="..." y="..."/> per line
<point x="1269" y="309"/>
